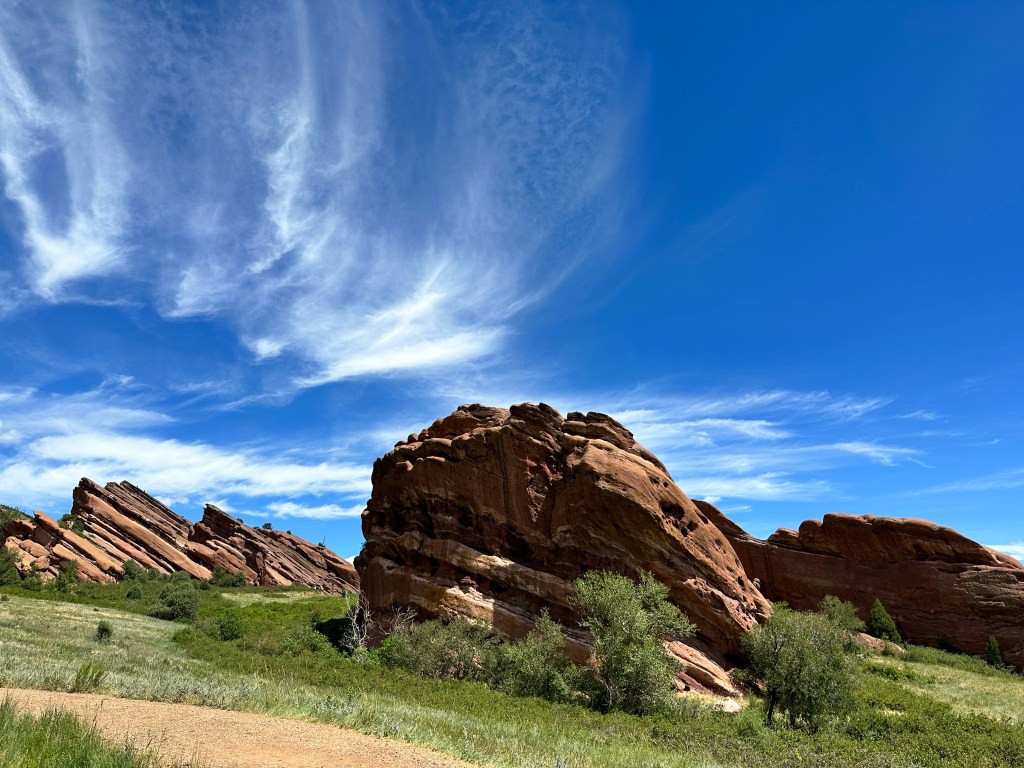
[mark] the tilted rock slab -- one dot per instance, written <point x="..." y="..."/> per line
<point x="493" y="513"/>
<point x="935" y="582"/>
<point x="122" y="522"/>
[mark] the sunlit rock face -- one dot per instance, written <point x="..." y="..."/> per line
<point x="492" y="514"/>
<point x="122" y="522"/>
<point x="940" y="587"/>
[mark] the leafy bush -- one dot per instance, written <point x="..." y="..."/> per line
<point x="539" y="666"/>
<point x="842" y="614"/>
<point x="178" y="600"/>
<point x="133" y="593"/>
<point x="132" y="570"/>
<point x="67" y="578"/>
<point x="33" y="581"/>
<point x="993" y="653"/>
<point x="268" y="527"/>
<point x="221" y="578"/>
<point x="460" y="650"/>
<point x="882" y="624"/>
<point x="9" y="573"/>
<point x="629" y="621"/>
<point x="89" y="677"/>
<point x="104" y="631"/>
<point x="8" y="513"/>
<point x="800" y="663"/>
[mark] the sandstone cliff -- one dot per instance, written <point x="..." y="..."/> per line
<point x="938" y="585"/>
<point x="492" y="513"/>
<point x="121" y="522"/>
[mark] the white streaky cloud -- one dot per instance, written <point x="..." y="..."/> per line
<point x="1015" y="550"/>
<point x="920" y="415"/>
<point x="999" y="481"/>
<point x="354" y="189"/>
<point x="763" y="487"/>
<point x="61" y="158"/>
<point x="883" y="454"/>
<point x="321" y="512"/>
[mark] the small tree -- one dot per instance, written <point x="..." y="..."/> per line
<point x="132" y="570"/>
<point x="67" y="577"/>
<point x="629" y="621"/>
<point x="104" y="631"/>
<point x="800" y="663"/>
<point x="268" y="527"/>
<point x="842" y="614"/>
<point x="882" y="624"/>
<point x="459" y="650"/>
<point x="993" y="653"/>
<point x="178" y="600"/>
<point x="9" y="573"/>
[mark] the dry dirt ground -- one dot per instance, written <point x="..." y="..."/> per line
<point x="215" y="738"/>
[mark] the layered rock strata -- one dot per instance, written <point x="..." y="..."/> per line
<point x="493" y="513"/>
<point x="940" y="587"/>
<point x="121" y="522"/>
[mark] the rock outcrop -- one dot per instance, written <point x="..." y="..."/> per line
<point x="939" y="586"/>
<point x="492" y="513"/>
<point x="120" y="522"/>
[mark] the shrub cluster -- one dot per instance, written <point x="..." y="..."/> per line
<point x="628" y="621"/>
<point x="882" y="624"/>
<point x="9" y="573"/>
<point x="221" y="578"/>
<point x="177" y="601"/>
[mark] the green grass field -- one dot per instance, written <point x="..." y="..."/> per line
<point x="908" y="712"/>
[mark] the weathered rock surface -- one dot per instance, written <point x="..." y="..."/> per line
<point x="935" y="582"/>
<point x="492" y="513"/>
<point x="122" y="522"/>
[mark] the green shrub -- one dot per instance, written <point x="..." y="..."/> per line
<point x="9" y="573"/>
<point x="133" y="593"/>
<point x="180" y="576"/>
<point x="460" y="650"/>
<point x="221" y="578"/>
<point x="89" y="677"/>
<point x="993" y="653"/>
<point x="178" y="600"/>
<point x="8" y="513"/>
<point x="104" y="632"/>
<point x="629" y="620"/>
<point x="132" y="570"/>
<point x="842" y="614"/>
<point x="72" y="523"/>
<point x="538" y="665"/>
<point x="882" y="624"/>
<point x="67" y="578"/>
<point x="801" y="666"/>
<point x="268" y="527"/>
<point x="152" y="574"/>
<point x="33" y="581"/>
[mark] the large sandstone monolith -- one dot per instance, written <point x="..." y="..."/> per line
<point x="492" y="513"/>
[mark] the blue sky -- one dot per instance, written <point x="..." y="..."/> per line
<point x="247" y="247"/>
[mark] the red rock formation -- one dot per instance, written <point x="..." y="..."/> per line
<point x="935" y="582"/>
<point x="492" y="513"/>
<point x="122" y="522"/>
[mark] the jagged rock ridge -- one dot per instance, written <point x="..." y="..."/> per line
<point x="492" y="513"/>
<point x="940" y="587"/>
<point x="122" y="522"/>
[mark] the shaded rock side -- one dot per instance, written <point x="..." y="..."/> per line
<point x="493" y="513"/>
<point x="939" y="586"/>
<point x="122" y="522"/>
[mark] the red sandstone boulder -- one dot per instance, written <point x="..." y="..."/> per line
<point x="937" y="584"/>
<point x="492" y="514"/>
<point x="122" y="522"/>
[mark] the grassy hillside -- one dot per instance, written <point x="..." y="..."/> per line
<point x="907" y="712"/>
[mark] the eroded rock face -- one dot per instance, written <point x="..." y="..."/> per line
<point x="492" y="514"/>
<point x="122" y="522"/>
<point x="935" y="582"/>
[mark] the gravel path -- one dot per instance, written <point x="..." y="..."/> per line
<point x="216" y="738"/>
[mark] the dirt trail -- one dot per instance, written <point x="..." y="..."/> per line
<point x="216" y="738"/>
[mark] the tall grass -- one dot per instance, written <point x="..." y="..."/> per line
<point x="57" y="740"/>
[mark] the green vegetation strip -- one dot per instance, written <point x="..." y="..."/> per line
<point x="57" y="740"/>
<point x="273" y="662"/>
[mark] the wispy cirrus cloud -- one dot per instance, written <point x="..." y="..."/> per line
<point x="997" y="481"/>
<point x="354" y="189"/>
